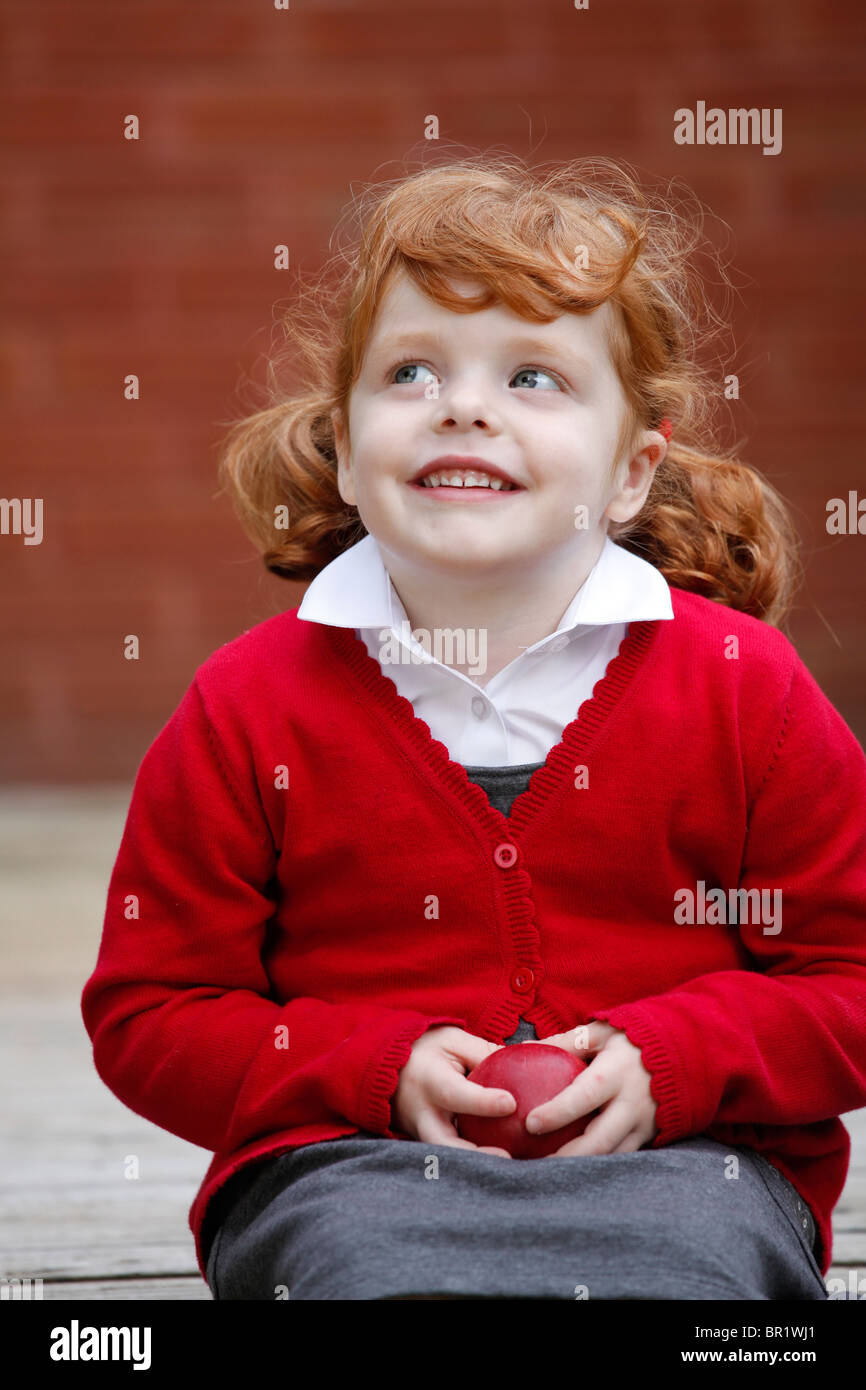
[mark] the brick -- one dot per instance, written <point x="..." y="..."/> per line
<point x="156" y="257"/>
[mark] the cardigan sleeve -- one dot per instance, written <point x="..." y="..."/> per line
<point x="179" y="1007"/>
<point x="784" y="1042"/>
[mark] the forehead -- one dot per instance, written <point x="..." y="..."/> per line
<point x="404" y="309"/>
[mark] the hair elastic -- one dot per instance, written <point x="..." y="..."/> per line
<point x="666" y="428"/>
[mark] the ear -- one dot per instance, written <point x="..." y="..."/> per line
<point x="339" y="427"/>
<point x="636" y="480"/>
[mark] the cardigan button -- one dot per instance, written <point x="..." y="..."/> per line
<point x="505" y="855"/>
<point x="522" y="980"/>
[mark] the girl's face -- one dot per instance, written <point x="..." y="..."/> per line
<point x="541" y="401"/>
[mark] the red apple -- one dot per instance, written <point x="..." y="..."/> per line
<point x="533" y="1073"/>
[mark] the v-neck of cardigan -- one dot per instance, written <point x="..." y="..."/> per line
<point x="578" y="737"/>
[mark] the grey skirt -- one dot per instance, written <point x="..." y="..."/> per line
<point x="366" y="1217"/>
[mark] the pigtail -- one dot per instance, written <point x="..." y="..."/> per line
<point x="280" y="467"/>
<point x="716" y="527"/>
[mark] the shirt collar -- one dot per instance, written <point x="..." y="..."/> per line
<point x="355" y="590"/>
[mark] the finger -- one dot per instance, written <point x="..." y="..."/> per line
<point x="456" y="1095"/>
<point x="586" y="1039"/>
<point x="594" y="1087"/>
<point x="469" y="1051"/>
<point x="565" y="1040"/>
<point x="605" y="1133"/>
<point x="568" y="1043"/>
<point x="630" y="1144"/>
<point x="434" y="1128"/>
<point x="572" y="1149"/>
<point x="594" y="1036"/>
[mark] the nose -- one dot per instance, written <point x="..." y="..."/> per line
<point x="464" y="404"/>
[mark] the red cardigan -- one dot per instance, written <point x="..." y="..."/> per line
<point x="307" y="882"/>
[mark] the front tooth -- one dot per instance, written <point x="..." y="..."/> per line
<point x="468" y="479"/>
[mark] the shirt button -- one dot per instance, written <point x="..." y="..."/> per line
<point x="558" y="643"/>
<point x="522" y="980"/>
<point x="505" y="855"/>
<point x="480" y="708"/>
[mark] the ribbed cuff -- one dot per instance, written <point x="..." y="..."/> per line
<point x="667" y="1081"/>
<point x="383" y="1075"/>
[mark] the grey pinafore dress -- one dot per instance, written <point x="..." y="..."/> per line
<point x="365" y="1217"/>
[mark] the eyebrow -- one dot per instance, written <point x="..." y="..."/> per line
<point x="518" y="341"/>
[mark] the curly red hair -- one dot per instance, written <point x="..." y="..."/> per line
<point x="710" y="523"/>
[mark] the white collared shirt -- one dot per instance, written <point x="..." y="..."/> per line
<point x="522" y="710"/>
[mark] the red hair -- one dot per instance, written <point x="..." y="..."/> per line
<point x="542" y="242"/>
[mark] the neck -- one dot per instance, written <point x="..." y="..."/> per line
<point x="496" y="621"/>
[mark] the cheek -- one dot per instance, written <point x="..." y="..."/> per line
<point x="374" y="441"/>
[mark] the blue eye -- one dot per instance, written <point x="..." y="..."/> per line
<point x="410" y="367"/>
<point x="535" y="372"/>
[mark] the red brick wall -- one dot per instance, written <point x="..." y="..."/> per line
<point x="155" y="257"/>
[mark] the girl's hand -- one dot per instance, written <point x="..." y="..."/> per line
<point x="616" y="1080"/>
<point x="433" y="1088"/>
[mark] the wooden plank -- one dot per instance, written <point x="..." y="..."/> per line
<point x="99" y="1256"/>
<point x="141" y="1289"/>
<point x="849" y="1248"/>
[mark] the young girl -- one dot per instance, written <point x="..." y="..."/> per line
<point x="531" y="761"/>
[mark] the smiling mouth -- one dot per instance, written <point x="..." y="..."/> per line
<point x="471" y="492"/>
<point x="472" y="483"/>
